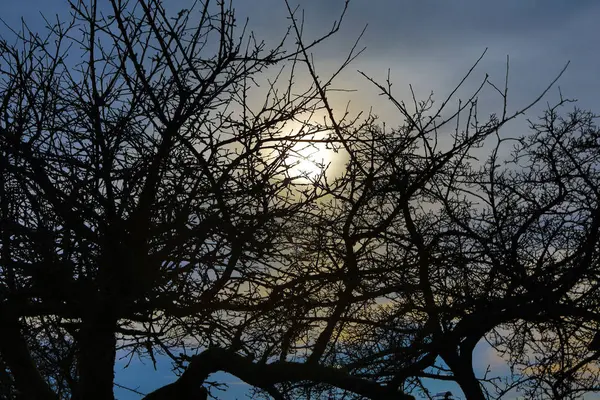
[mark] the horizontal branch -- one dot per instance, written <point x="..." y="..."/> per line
<point x="264" y="376"/>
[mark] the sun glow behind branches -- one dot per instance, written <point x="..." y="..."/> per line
<point x="308" y="160"/>
<point x="310" y="157"/>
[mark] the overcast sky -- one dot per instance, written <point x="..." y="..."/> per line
<point x="431" y="44"/>
<point x="428" y="43"/>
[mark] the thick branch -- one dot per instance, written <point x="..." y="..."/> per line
<point x="265" y="376"/>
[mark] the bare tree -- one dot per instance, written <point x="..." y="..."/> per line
<point x="424" y="251"/>
<point x="151" y="204"/>
<point x="142" y="193"/>
<point x="547" y="213"/>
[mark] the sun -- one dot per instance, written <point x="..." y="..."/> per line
<point x="307" y="151"/>
<point x="308" y="159"/>
<point x="309" y="156"/>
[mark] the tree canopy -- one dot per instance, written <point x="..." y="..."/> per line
<point x="153" y="202"/>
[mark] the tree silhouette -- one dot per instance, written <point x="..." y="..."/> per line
<point x="150" y="204"/>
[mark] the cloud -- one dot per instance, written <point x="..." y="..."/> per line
<point x="432" y="43"/>
<point x="485" y="355"/>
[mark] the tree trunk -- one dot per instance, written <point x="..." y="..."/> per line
<point x="462" y="368"/>
<point x="96" y="358"/>
<point x="15" y="353"/>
